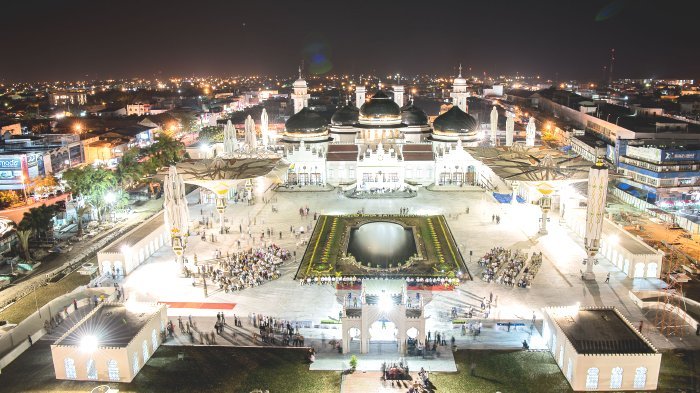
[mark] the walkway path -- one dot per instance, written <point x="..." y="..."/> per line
<point x="558" y="282"/>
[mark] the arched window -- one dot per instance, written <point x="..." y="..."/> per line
<point x="569" y="370"/>
<point x="640" y="378"/>
<point x="91" y="369"/>
<point x="69" y="364"/>
<point x="561" y="357"/>
<point x="136" y="363"/>
<point x="145" y="351"/>
<point x="616" y="378"/>
<point x="154" y="339"/>
<point x="554" y="343"/>
<point x="113" y="370"/>
<point x="592" y="378"/>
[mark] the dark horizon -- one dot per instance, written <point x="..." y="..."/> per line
<point x="88" y="40"/>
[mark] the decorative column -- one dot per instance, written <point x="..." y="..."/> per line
<point x="530" y="133"/>
<point x="494" y="125"/>
<point x="398" y="95"/>
<point x="176" y="213"/>
<point x="360" y="92"/>
<point x="250" y="137"/>
<point x="230" y="140"/>
<point x="510" y="126"/>
<point x="595" y="211"/>
<point x="459" y="92"/>
<point x="264" y="120"/>
<point x="515" y="185"/>
<point x="220" y="208"/>
<point x="545" y="204"/>
<point x="300" y="95"/>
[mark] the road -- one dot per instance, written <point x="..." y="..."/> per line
<point x="57" y="261"/>
<point x="16" y="214"/>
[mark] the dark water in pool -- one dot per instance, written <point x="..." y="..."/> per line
<point x="381" y="243"/>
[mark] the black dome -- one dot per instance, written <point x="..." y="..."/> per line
<point x="380" y="106"/>
<point x="306" y="121"/>
<point x="345" y="116"/>
<point x="411" y="115"/>
<point x="455" y="121"/>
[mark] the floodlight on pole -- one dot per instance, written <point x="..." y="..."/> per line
<point x="88" y="343"/>
<point x="110" y="197"/>
<point x="385" y="303"/>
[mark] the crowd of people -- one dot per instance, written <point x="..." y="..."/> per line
<point x="502" y="265"/>
<point x="276" y="331"/>
<point x="505" y="266"/>
<point x="245" y="269"/>
<point x="530" y="271"/>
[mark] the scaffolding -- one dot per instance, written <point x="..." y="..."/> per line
<point x="667" y="319"/>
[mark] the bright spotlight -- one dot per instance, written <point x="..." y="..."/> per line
<point x="110" y="198"/>
<point x="385" y="302"/>
<point x="88" y="344"/>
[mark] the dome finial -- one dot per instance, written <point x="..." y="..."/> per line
<point x="460" y="70"/>
<point x="299" y="71"/>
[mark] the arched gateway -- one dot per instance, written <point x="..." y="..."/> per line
<point x="386" y="301"/>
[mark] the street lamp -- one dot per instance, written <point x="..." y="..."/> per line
<point x="110" y="198"/>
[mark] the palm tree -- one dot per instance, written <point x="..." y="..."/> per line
<point x="166" y="150"/>
<point x="39" y="220"/>
<point x="23" y="236"/>
<point x="130" y="170"/>
<point x="79" y="214"/>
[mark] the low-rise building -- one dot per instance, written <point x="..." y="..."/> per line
<point x="138" y="109"/>
<point x="112" y="343"/>
<point x="67" y="97"/>
<point x="24" y="159"/>
<point x="597" y="349"/>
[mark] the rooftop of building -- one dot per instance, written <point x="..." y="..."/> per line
<point x="418" y="152"/>
<point x="112" y="324"/>
<point x="345" y="152"/>
<point x="141" y="232"/>
<point x="595" y="331"/>
<point x="622" y="116"/>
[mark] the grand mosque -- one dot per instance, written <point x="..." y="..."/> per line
<point x="382" y="143"/>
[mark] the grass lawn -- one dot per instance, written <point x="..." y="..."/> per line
<point x="518" y="371"/>
<point x="24" y="307"/>
<point x="505" y="371"/>
<point x="680" y="371"/>
<point x="204" y="369"/>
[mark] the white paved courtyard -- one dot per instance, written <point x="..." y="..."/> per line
<point x="557" y="283"/>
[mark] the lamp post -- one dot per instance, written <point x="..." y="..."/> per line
<point x="36" y="303"/>
<point x="110" y="198"/>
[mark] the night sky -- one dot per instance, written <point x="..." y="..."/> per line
<point x="98" y="39"/>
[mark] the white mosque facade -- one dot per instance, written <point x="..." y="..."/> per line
<point x="382" y="143"/>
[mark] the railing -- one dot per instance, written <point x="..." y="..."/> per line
<point x="14" y="343"/>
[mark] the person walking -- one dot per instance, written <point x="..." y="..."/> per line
<point x="607" y="279"/>
<point x="29" y="338"/>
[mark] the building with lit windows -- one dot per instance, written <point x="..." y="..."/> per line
<point x="111" y="343"/>
<point x="382" y="143"/>
<point x="67" y="97"/>
<point x="597" y="349"/>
